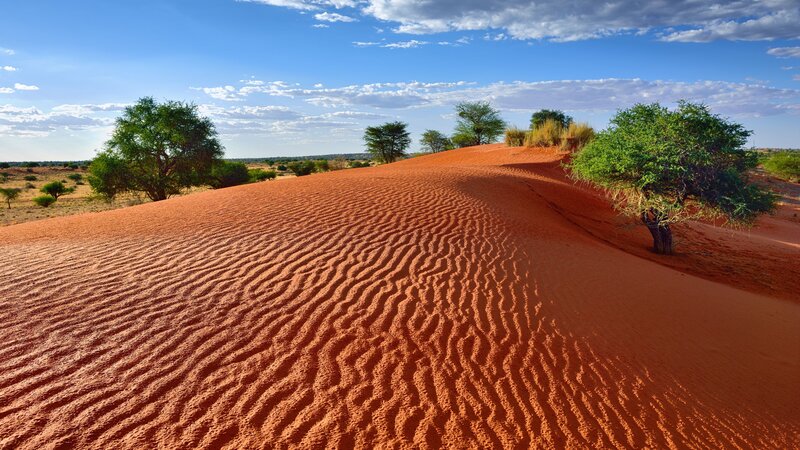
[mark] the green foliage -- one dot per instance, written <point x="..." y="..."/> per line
<point x="540" y="117"/>
<point x="547" y="134"/>
<point x="784" y="165"/>
<point x="668" y="166"/>
<point x="576" y="136"/>
<point x="514" y="137"/>
<point x="76" y="177"/>
<point x="322" y="165"/>
<point x="160" y="148"/>
<point x="359" y="164"/>
<point x="478" y="124"/>
<point x="282" y="168"/>
<point x="31" y="164"/>
<point x="261" y="175"/>
<point x="227" y="173"/>
<point x="109" y="175"/>
<point x="4" y="165"/>
<point x="302" y="168"/>
<point x="387" y="142"/>
<point x="434" y="142"/>
<point x="44" y="200"/>
<point x="10" y="194"/>
<point x="56" y="189"/>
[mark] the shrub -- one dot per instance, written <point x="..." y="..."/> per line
<point x="4" y="165"/>
<point x="282" y="168"/>
<point x="359" y="164"/>
<point x="226" y="174"/>
<point x="10" y="194"/>
<point x="337" y="164"/>
<point x="514" y="137"/>
<point x="322" y="165"/>
<point x="546" y="135"/>
<point x="664" y="167"/>
<point x="302" y="168"/>
<point x="30" y="178"/>
<point x="56" y="189"/>
<point x="44" y="200"/>
<point x="30" y="186"/>
<point x="784" y="165"/>
<point x="75" y="177"/>
<point x="576" y="136"/>
<point x="261" y="174"/>
<point x="31" y="164"/>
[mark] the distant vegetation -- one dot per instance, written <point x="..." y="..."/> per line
<point x="388" y="142"/>
<point x="226" y="174"/>
<point x="665" y="167"/>
<point x="302" y="168"/>
<point x="435" y="141"/>
<point x="784" y="164"/>
<point x="157" y="149"/>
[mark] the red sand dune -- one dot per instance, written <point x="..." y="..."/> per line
<point x="470" y="299"/>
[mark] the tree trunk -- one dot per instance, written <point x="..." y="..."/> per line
<point x="662" y="234"/>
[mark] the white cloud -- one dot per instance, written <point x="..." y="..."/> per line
<point x="320" y="25"/>
<point x="25" y="87"/>
<point x="405" y="44"/>
<point x="333" y="17"/>
<point x="7" y="51"/>
<point x="6" y="90"/>
<point x="227" y="93"/>
<point x="8" y="68"/>
<point x="785" y="52"/>
<point x="32" y="122"/>
<point x="674" y="20"/>
<point x="365" y="44"/>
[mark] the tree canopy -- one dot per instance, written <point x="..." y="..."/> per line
<point x="10" y="194"/>
<point x="158" y="149"/>
<point x="434" y="142"/>
<point x="540" y="117"/>
<point x="478" y="123"/>
<point x="388" y="142"/>
<point x="668" y="166"/>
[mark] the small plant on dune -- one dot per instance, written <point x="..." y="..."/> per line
<point x="784" y="165"/>
<point x="540" y="117"/>
<point x="576" y="136"/>
<point x="44" y="200"/>
<point x="302" y="168"/>
<point x="227" y="173"/>
<point x="433" y="141"/>
<point x="56" y="189"/>
<point x="30" y="178"/>
<point x="514" y="137"/>
<point x="10" y="194"/>
<point x="76" y="177"/>
<point x="261" y="175"/>
<point x="387" y="142"/>
<point x="665" y="167"/>
<point x="547" y="134"/>
<point x="337" y="164"/>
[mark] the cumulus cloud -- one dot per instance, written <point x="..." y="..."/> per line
<point x="676" y="20"/>
<point x="33" y="122"/>
<point x="785" y="52"/>
<point x="8" y="68"/>
<point x="6" y="90"/>
<point x="25" y="87"/>
<point x="7" y="51"/>
<point x="333" y="17"/>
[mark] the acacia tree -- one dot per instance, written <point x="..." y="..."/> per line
<point x="434" y="142"/>
<point x="387" y="142"/>
<point x="667" y="166"/>
<point x="158" y="149"/>
<point x="478" y="124"/>
<point x="543" y="115"/>
<point x="10" y="194"/>
<point x="56" y="189"/>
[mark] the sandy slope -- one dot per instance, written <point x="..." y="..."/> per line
<point x="467" y="299"/>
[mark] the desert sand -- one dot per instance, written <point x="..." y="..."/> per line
<point x="469" y="299"/>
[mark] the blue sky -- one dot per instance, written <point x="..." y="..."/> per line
<point x="296" y="77"/>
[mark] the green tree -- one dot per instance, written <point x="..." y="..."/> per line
<point x="434" y="142"/>
<point x="10" y="194"/>
<point x="540" y="117"/>
<point x="478" y="124"/>
<point x="387" y="142"/>
<point x="158" y="149"/>
<point x="228" y="173"/>
<point x="56" y="189"/>
<point x="302" y="168"/>
<point x="667" y="166"/>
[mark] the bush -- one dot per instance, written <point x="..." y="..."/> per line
<point x="302" y="168"/>
<point x="784" y="165"/>
<point x="337" y="164"/>
<point x="4" y="165"/>
<point x="31" y="164"/>
<point x="44" y="200"/>
<point x="282" y="168"/>
<point x="30" y="186"/>
<point x="56" y="189"/>
<point x="29" y="170"/>
<point x="359" y="164"/>
<point x="514" y="137"/>
<point x="546" y="135"/>
<point x="75" y="177"/>
<point x="576" y="136"/>
<point x="261" y="174"/>
<point x="30" y="178"/>
<point x="322" y="165"/>
<point x="226" y="174"/>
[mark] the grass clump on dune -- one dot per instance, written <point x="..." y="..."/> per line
<point x="547" y="134"/>
<point x="514" y="137"/>
<point x="576" y="136"/>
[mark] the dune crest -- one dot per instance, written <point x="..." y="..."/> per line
<point x="472" y="298"/>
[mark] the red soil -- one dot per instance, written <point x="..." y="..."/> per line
<point x="474" y="298"/>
